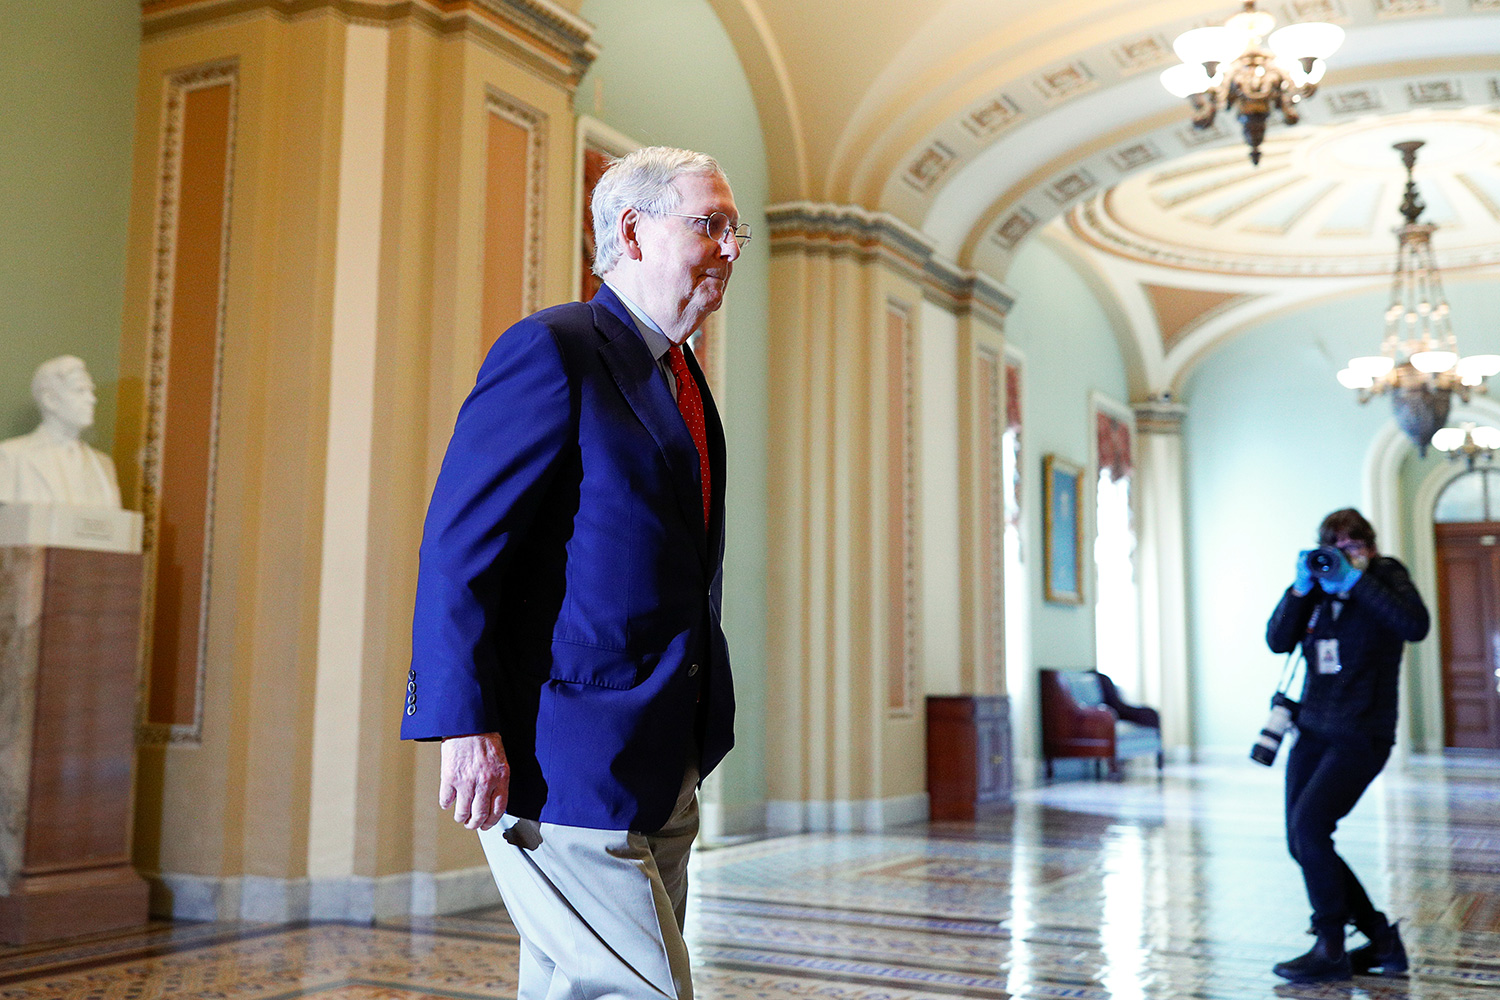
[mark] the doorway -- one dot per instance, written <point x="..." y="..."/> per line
<point x="1468" y="564"/>
<point x="1467" y="537"/>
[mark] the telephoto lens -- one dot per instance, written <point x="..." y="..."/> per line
<point x="1324" y="560"/>
<point x="1283" y="712"/>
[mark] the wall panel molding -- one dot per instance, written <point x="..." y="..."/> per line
<point x="183" y="237"/>
<point x="901" y="554"/>
<point x="533" y="123"/>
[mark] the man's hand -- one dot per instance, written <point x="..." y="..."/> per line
<point x="475" y="780"/>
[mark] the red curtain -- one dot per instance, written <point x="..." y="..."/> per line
<point x="1114" y="447"/>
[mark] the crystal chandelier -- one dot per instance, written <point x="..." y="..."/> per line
<point x="1418" y="361"/>
<point x="1468" y="442"/>
<point x="1244" y="65"/>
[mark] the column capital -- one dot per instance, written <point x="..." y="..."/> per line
<point x="543" y="33"/>
<point x="1161" y="414"/>
<point x="850" y="230"/>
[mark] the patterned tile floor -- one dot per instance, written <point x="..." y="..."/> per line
<point x="1133" y="890"/>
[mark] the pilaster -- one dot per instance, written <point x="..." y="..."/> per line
<point x="1162" y="548"/>
<point x="846" y="685"/>
<point x="336" y="337"/>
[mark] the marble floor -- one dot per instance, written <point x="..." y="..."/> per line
<point x="1141" y="888"/>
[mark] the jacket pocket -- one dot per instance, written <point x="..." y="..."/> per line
<point x="581" y="663"/>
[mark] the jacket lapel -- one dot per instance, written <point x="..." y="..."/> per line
<point x="626" y="357"/>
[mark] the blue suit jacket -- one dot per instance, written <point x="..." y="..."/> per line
<point x="568" y="594"/>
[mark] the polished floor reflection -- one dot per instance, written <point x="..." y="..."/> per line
<point x="1178" y="888"/>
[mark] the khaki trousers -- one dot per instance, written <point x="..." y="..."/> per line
<point x="600" y="912"/>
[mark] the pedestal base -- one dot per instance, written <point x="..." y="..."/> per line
<point x="69" y="647"/>
<point x="48" y="907"/>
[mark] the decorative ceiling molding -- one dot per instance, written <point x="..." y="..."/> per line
<point x="1321" y="204"/>
<point x="1038" y="90"/>
<point x="929" y="166"/>
<point x="544" y="34"/>
<point x="847" y="230"/>
<point x="1276" y="211"/>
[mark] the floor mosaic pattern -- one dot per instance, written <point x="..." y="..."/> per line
<point x="1141" y="889"/>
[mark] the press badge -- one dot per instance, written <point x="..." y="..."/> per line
<point x="1328" y="656"/>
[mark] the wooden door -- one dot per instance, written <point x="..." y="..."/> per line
<point x="1468" y="559"/>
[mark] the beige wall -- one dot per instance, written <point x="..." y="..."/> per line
<point x="863" y="498"/>
<point x="350" y="334"/>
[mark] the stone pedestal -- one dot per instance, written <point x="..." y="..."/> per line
<point x="69" y="633"/>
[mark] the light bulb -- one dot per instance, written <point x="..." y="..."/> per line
<point x="1433" y="362"/>
<point x="1208" y="45"/>
<point x="1373" y="365"/>
<point x="1314" y="38"/>
<point x="1186" y="79"/>
<point x="1481" y="365"/>
<point x="1448" y="438"/>
<point x="1351" y="379"/>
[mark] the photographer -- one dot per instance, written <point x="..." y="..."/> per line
<point x="1351" y="609"/>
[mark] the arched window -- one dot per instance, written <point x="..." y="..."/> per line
<point x="1473" y="496"/>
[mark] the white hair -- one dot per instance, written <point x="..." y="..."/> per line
<point x="641" y="180"/>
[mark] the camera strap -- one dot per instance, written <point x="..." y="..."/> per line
<point x="1289" y="669"/>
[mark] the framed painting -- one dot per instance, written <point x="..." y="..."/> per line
<point x="1062" y="531"/>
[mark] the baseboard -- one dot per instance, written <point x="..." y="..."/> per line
<point x="719" y="822"/>
<point x="845" y="815"/>
<point x="193" y="897"/>
<point x="453" y="892"/>
<point x="356" y="899"/>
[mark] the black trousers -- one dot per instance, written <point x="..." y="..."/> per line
<point x="1324" y="779"/>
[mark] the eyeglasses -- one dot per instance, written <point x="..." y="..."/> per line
<point x="717" y="226"/>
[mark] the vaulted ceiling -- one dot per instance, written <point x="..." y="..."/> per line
<point x="985" y="122"/>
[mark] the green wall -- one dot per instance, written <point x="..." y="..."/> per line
<point x="1272" y="444"/>
<point x="667" y="74"/>
<point x="1070" y="351"/>
<point x="68" y="73"/>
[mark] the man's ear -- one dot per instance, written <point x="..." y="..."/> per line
<point x="629" y="222"/>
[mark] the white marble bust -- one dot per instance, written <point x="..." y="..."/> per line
<point x="51" y="465"/>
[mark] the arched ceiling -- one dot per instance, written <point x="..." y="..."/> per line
<point x="1323" y="201"/>
<point x="980" y="122"/>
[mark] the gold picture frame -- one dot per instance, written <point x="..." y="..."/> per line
<point x="1062" y="530"/>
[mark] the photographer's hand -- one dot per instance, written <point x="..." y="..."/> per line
<point x="1305" y="582"/>
<point x="1343" y="576"/>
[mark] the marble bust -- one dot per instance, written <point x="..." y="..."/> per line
<point x="51" y="465"/>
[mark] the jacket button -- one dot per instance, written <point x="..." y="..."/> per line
<point x="693" y="670"/>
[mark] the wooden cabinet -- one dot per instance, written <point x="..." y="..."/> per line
<point x="968" y="755"/>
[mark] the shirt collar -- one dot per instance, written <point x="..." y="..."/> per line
<point x="656" y="341"/>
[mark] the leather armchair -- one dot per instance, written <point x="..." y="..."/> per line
<point x="1083" y="716"/>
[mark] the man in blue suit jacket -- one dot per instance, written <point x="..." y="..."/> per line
<point x="566" y="644"/>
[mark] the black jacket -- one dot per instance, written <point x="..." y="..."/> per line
<point x="1381" y="611"/>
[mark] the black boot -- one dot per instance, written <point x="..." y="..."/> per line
<point x="1325" y="961"/>
<point x="1384" y="952"/>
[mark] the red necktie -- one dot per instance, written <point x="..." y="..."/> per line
<point x="690" y="402"/>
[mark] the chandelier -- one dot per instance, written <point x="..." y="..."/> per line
<point x="1418" y="363"/>
<point x="1244" y="65"/>
<point x="1468" y="442"/>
